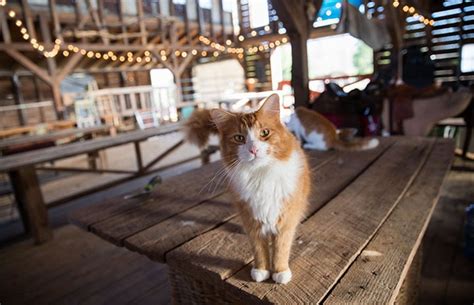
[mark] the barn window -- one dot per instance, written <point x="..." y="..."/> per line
<point x="258" y="13"/>
<point x="326" y="59"/>
<point x="467" y="58"/>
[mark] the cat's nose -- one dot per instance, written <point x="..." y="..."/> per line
<point x="253" y="150"/>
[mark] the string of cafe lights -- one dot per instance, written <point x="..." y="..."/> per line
<point x="72" y="48"/>
<point x="130" y="57"/>
<point x="413" y="12"/>
<point x="240" y="51"/>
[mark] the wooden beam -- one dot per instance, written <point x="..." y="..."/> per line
<point x="124" y="28"/>
<point x="18" y="95"/>
<point x="5" y="29"/>
<point x="28" y="18"/>
<point x="70" y="65"/>
<point x="221" y="13"/>
<point x="141" y="22"/>
<point x="299" y="69"/>
<point x="54" y="15"/>
<point x="46" y="34"/>
<point x="27" y="63"/>
<point x="298" y="16"/>
<point x="39" y="97"/>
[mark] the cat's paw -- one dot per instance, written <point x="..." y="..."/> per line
<point x="282" y="277"/>
<point x="259" y="275"/>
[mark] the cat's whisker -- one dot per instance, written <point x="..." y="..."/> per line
<point x="217" y="174"/>
<point x="230" y="169"/>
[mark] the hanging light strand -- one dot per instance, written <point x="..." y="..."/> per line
<point x="411" y="10"/>
<point x="235" y="50"/>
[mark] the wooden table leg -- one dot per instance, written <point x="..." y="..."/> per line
<point x="30" y="203"/>
<point x="138" y="154"/>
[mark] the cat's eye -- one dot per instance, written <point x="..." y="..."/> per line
<point x="264" y="133"/>
<point x="239" y="138"/>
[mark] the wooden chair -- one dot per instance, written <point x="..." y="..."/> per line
<point x="146" y="119"/>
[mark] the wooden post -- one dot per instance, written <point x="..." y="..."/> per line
<point x="221" y="14"/>
<point x="299" y="69"/>
<point x="138" y="154"/>
<point x="39" y="98"/>
<point x="298" y="16"/>
<point x="141" y="22"/>
<point x="18" y="95"/>
<point x="30" y="203"/>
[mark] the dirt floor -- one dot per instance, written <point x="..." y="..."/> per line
<point x="79" y="268"/>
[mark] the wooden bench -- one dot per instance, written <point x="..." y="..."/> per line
<point x="368" y="213"/>
<point x="25" y="143"/>
<point x="22" y="167"/>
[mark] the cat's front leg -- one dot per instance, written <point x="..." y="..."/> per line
<point x="260" y="245"/>
<point x="281" y="254"/>
<point x="261" y="267"/>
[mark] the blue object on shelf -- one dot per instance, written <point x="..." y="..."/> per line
<point x="469" y="232"/>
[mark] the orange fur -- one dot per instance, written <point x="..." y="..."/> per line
<point x="271" y="251"/>
<point x="313" y="121"/>
<point x="199" y="127"/>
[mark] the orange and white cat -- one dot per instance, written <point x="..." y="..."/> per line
<point x="317" y="132"/>
<point x="269" y="175"/>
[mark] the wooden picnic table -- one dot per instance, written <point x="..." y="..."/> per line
<point x="55" y="125"/>
<point x="22" y="167"/>
<point x="25" y="143"/>
<point x="368" y="213"/>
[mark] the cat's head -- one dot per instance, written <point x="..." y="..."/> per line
<point x="256" y="138"/>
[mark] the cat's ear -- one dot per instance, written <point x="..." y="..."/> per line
<point x="220" y="117"/>
<point x="271" y="106"/>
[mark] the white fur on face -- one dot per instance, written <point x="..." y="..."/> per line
<point x="263" y="156"/>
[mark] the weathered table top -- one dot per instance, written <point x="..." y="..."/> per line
<point x="368" y="212"/>
<point x="51" y="136"/>
<point x="15" y="161"/>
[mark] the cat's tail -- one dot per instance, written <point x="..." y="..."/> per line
<point x="199" y="127"/>
<point x="356" y="144"/>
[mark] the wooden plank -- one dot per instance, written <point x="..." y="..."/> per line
<point x="156" y="241"/>
<point x="30" y="140"/>
<point x="30" y="203"/>
<point x="177" y="195"/>
<point x="64" y="151"/>
<point x="378" y="278"/>
<point x="355" y="214"/>
<point x="169" y="200"/>
<point x="326" y="185"/>
<point x="27" y="63"/>
<point x="87" y="217"/>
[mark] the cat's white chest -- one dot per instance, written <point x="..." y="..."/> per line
<point x="266" y="189"/>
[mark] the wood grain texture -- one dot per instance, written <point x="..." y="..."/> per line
<point x="92" y="215"/>
<point x="327" y="242"/>
<point x="53" y="153"/>
<point x="176" y="196"/>
<point x="330" y="240"/>
<point x="156" y="241"/>
<point x="78" y="268"/>
<point x="225" y="250"/>
<point x="377" y="278"/>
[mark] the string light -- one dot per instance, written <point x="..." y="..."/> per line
<point x="411" y="10"/>
<point x="130" y="57"/>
